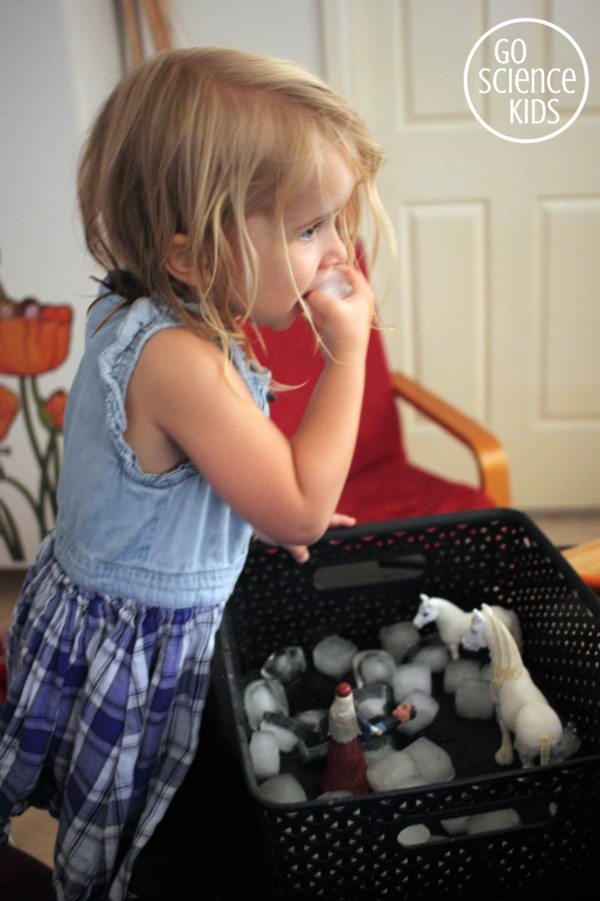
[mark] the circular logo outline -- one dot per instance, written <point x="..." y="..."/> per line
<point x="494" y="131"/>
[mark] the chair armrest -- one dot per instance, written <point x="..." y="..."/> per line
<point x="490" y="456"/>
<point x="585" y="559"/>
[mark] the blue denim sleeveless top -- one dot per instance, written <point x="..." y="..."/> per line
<point x="166" y="540"/>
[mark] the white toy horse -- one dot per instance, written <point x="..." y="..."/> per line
<point x="452" y="622"/>
<point x="521" y="707"/>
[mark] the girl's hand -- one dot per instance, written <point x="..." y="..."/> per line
<point x="344" y="324"/>
<point x="300" y="552"/>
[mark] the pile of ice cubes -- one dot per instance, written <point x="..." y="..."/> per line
<point x="398" y="672"/>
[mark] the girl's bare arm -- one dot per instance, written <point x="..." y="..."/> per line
<point x="286" y="490"/>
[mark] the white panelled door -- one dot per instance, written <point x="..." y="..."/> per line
<point x="496" y="302"/>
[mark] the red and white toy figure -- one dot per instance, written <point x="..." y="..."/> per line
<point x="346" y="767"/>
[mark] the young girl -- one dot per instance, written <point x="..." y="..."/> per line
<point x="216" y="188"/>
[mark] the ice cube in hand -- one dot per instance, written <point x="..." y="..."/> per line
<point x="337" y="284"/>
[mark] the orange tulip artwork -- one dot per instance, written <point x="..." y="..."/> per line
<point x="34" y="339"/>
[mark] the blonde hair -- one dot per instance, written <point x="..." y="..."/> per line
<point x="193" y="141"/>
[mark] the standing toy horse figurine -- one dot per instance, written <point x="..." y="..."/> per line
<point x="521" y="707"/>
<point x="452" y="622"/>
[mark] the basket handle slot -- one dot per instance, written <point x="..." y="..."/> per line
<point x="369" y="572"/>
<point x="435" y="830"/>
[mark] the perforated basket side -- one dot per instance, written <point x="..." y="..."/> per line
<point x="361" y="579"/>
<point x="351" y="850"/>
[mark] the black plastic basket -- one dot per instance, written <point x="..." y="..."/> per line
<point x="361" y="579"/>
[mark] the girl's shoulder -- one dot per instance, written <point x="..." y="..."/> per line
<point x="186" y="356"/>
<point x="111" y="315"/>
<point x="146" y="334"/>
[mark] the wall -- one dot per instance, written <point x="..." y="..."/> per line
<point x="58" y="59"/>
<point x="41" y="250"/>
<point x="288" y="30"/>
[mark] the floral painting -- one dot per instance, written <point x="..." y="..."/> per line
<point x="34" y="340"/>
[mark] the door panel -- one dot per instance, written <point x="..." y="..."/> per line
<point x="495" y="301"/>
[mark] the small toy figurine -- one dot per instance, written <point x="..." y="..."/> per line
<point x="520" y="705"/>
<point x="400" y="714"/>
<point x="452" y="622"/>
<point x="346" y="767"/>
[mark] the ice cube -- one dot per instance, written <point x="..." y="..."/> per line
<point x="333" y="656"/>
<point x="427" y="709"/>
<point x="311" y="717"/>
<point x="474" y="700"/>
<point x="571" y="742"/>
<point x="433" y="653"/>
<point x="286" y="664"/>
<point x="373" y="700"/>
<point x="395" y="770"/>
<point x="337" y="284"/>
<point x="418" y="834"/>
<point x="264" y="754"/>
<point x="282" y="789"/>
<point x="456" y="671"/>
<point x="287" y="732"/>
<point x="374" y="752"/>
<point x="373" y="666"/>
<point x="409" y="677"/>
<point x="261" y="696"/>
<point x="493" y="821"/>
<point x="433" y="763"/>
<point x="455" y="825"/>
<point x="399" y="638"/>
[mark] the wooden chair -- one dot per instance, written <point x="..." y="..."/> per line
<point x="585" y="560"/>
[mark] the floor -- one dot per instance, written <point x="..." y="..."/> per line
<point x="35" y="831"/>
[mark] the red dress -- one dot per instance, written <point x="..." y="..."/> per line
<point x="346" y="768"/>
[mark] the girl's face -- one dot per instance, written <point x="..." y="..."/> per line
<point x="312" y="244"/>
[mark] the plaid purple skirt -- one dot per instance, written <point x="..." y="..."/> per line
<point x="101" y="722"/>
